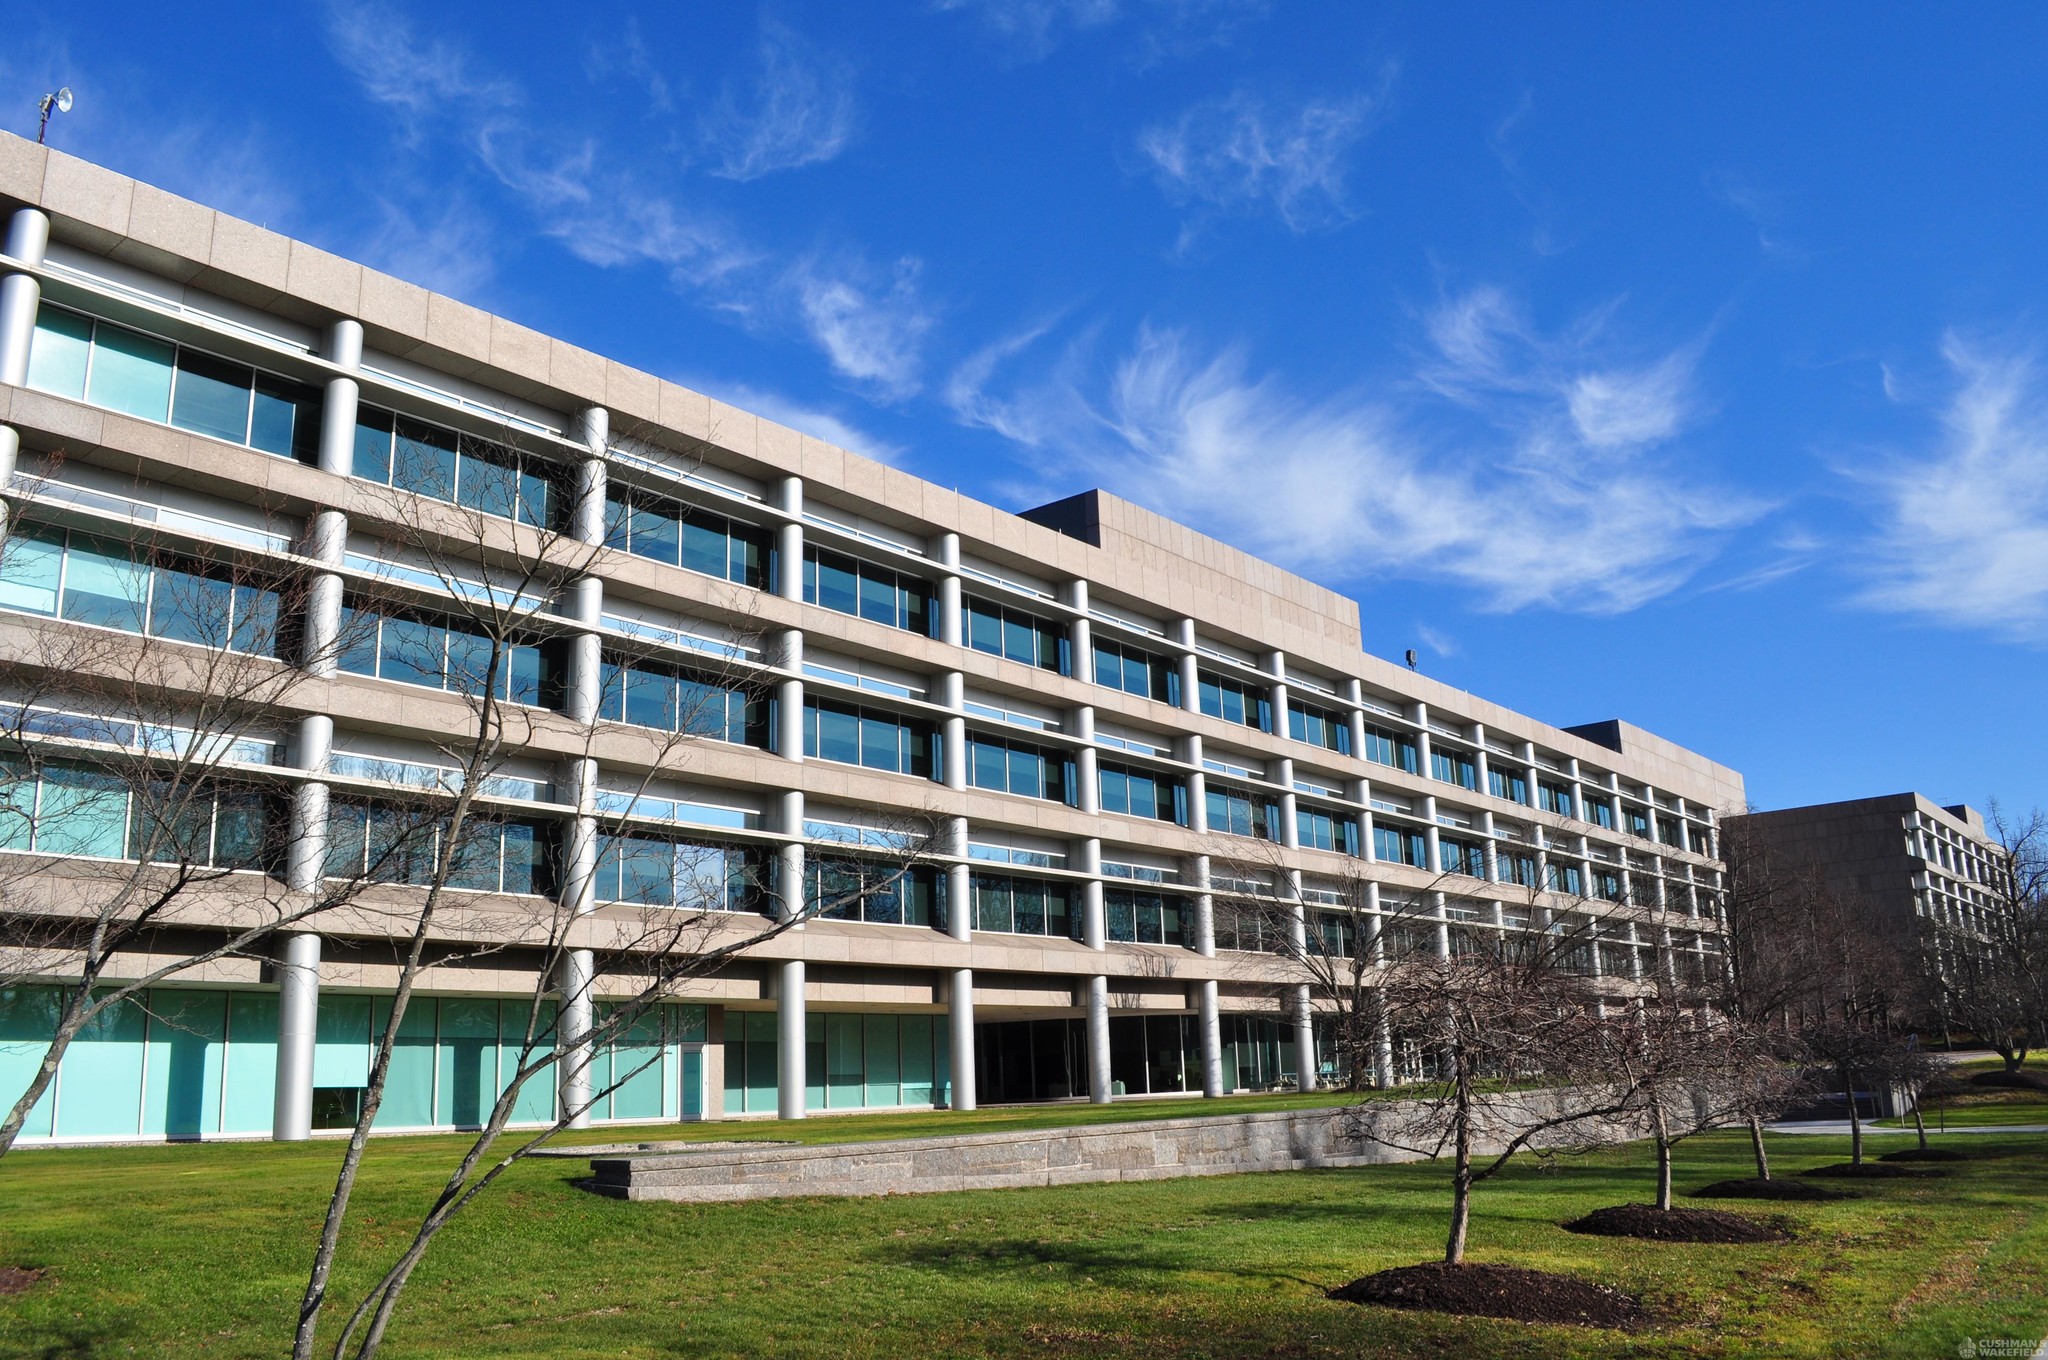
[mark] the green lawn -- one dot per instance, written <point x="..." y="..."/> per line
<point x="1987" y="1106"/>
<point x="198" y="1250"/>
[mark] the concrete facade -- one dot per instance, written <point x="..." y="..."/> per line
<point x="1128" y="622"/>
<point x="1902" y="857"/>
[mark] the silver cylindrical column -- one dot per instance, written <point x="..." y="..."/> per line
<point x="298" y="1015"/>
<point x="28" y="236"/>
<point x="1210" y="1021"/>
<point x="573" y="1023"/>
<point x="790" y="1039"/>
<point x="962" y="1017"/>
<point x="1098" y="1040"/>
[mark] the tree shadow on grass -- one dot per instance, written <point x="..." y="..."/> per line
<point x="79" y="1341"/>
<point x="1119" y="1265"/>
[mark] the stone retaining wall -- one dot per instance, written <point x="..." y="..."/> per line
<point x="1214" y="1145"/>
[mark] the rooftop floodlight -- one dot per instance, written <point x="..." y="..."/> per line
<point x="59" y="102"/>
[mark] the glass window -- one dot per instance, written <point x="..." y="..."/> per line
<point x="131" y="372"/>
<point x="1235" y="812"/>
<point x="104" y="584"/>
<point x="81" y="812"/>
<point x="1138" y="793"/>
<point x="58" y="357"/>
<point x="373" y="444"/>
<point x="1235" y="701"/>
<point x="1319" y="727"/>
<point x="31" y="569"/>
<point x="1507" y="784"/>
<point x="1016" y="635"/>
<point x="1394" y="749"/>
<point x="1136" y="672"/>
<point x="1453" y="767"/>
<point x="1399" y="845"/>
<point x="285" y="419"/>
<point x="212" y="396"/>
<point x="423" y="459"/>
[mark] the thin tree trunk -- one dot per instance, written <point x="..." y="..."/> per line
<point x="1663" y="1129"/>
<point x="1919" y="1123"/>
<point x="1855" y="1124"/>
<point x="1461" y="1177"/>
<point x="1756" y="1147"/>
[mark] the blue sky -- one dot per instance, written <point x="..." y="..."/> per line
<point x="1683" y="368"/>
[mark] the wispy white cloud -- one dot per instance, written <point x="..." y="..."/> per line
<point x="447" y="248"/>
<point x="1243" y="152"/>
<point x="628" y="56"/>
<point x="799" y="415"/>
<point x="1762" y="210"/>
<point x="414" y="76"/>
<point x="1962" y="533"/>
<point x="1440" y="643"/>
<point x="1030" y="30"/>
<point x="871" y="332"/>
<point x="969" y="397"/>
<point x="1577" y="510"/>
<point x="798" y="109"/>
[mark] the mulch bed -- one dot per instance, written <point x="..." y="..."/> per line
<point x="1753" y="1188"/>
<point x="1870" y="1171"/>
<point x="1674" y="1225"/>
<point x="1914" y="1154"/>
<point x="19" y="1279"/>
<point x="1497" y="1292"/>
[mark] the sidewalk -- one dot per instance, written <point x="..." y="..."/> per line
<point x="1840" y="1128"/>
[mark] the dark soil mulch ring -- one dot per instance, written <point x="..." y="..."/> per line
<point x="1498" y="1292"/>
<point x="1871" y="1171"/>
<point x="1675" y="1225"/>
<point x="19" y="1279"/>
<point x="1753" y="1188"/>
<point x="1914" y="1154"/>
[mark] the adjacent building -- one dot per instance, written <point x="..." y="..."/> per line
<point x="1911" y="863"/>
<point x="1097" y="706"/>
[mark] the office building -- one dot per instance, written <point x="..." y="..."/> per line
<point x="1090" y="702"/>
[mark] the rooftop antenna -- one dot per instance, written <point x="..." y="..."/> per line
<point x="1411" y="658"/>
<point x="59" y="102"/>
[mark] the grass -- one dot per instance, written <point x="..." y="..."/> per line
<point x="200" y="1251"/>
<point x="1988" y="1106"/>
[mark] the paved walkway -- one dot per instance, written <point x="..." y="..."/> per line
<point x="1840" y="1128"/>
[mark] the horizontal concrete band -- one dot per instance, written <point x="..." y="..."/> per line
<point x="1215" y="1145"/>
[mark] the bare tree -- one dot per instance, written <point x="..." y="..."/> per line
<point x="146" y="690"/>
<point x="1524" y="1059"/>
<point x="1990" y="970"/>
<point x="1692" y="1068"/>
<point x="485" y="598"/>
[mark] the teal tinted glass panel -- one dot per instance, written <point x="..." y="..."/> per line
<point x="285" y="419"/>
<point x="915" y="1058"/>
<point x="28" y="1019"/>
<point x="883" y="1060"/>
<point x="187" y="1051"/>
<point x="104" y="584"/>
<point x="249" y="1086"/>
<point x="636" y="1070"/>
<point x="82" y="812"/>
<point x="423" y="460"/>
<point x="844" y="1060"/>
<point x="373" y="444"/>
<point x="187" y="607"/>
<point x="536" y="1101"/>
<point x="101" y="1086"/>
<point x="342" y="1041"/>
<point x="688" y="1024"/>
<point x="131" y="373"/>
<point x="761" y="1049"/>
<point x="409" y="1088"/>
<point x="468" y="1061"/>
<point x="212" y="397"/>
<point x="735" y="1062"/>
<point x="57" y="357"/>
<point x="488" y="485"/>
<point x="31" y="566"/>
<point x="692" y="1066"/>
